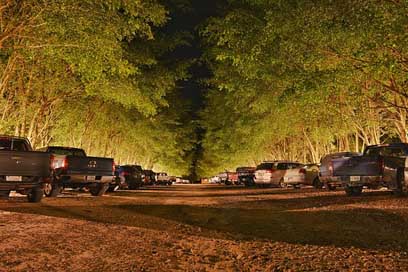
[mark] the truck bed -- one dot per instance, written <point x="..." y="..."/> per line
<point x="356" y="166"/>
<point x="25" y="163"/>
<point x="89" y="166"/>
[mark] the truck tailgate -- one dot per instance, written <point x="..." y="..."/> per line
<point x="25" y="163"/>
<point x="356" y="166"/>
<point x="89" y="166"/>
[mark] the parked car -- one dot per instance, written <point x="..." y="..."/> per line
<point x="118" y="181"/>
<point x="280" y="174"/>
<point x="132" y="176"/>
<point x="215" y="180"/>
<point x="181" y="180"/>
<point x="163" y="179"/>
<point x="22" y="169"/>
<point x="312" y="175"/>
<point x="246" y="175"/>
<point x="229" y="178"/>
<point x="149" y="177"/>
<point x="326" y="176"/>
<point x="72" y="168"/>
<point x="379" y="165"/>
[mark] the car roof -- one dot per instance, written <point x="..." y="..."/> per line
<point x="13" y="137"/>
<point x="281" y="161"/>
<point x="389" y="145"/>
<point x="63" y="147"/>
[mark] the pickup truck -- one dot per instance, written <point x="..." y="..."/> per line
<point x="22" y="169"/>
<point x="163" y="179"/>
<point x="229" y="178"/>
<point x="72" y="168"/>
<point x="379" y="165"/>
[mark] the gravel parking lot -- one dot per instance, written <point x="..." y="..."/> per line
<point x="206" y="228"/>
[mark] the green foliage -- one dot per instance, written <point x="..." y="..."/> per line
<point x="92" y="74"/>
<point x="297" y="79"/>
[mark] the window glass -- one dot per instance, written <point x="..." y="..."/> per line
<point x="68" y="152"/>
<point x="282" y="166"/>
<point x="394" y="152"/>
<point x="265" y="166"/>
<point x="13" y="145"/>
<point x="373" y="152"/>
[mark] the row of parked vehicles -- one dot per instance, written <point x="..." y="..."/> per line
<point x="49" y="170"/>
<point x="133" y="177"/>
<point x="378" y="166"/>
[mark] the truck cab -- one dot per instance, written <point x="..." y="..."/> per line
<point x="22" y="169"/>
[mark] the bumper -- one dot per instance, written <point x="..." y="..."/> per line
<point x="18" y="186"/>
<point x="370" y="181"/>
<point x="80" y="179"/>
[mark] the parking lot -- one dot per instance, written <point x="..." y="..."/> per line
<point x="206" y="228"/>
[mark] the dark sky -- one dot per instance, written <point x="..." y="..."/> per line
<point x="192" y="90"/>
<point x="190" y="20"/>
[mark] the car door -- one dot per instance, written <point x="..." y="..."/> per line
<point x="394" y="158"/>
<point x="280" y="172"/>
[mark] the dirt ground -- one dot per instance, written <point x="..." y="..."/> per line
<point x="206" y="228"/>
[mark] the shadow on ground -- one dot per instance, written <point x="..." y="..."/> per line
<point x="273" y="220"/>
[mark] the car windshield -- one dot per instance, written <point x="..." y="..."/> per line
<point x="68" y="152"/>
<point x="13" y="145"/>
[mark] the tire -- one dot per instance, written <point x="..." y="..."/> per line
<point x="133" y="185"/>
<point x="35" y="195"/>
<point x="353" y="190"/>
<point x="282" y="184"/>
<point x="52" y="189"/>
<point x="317" y="184"/>
<point x="4" y="194"/>
<point x="330" y="187"/>
<point x="98" y="189"/>
<point x="401" y="189"/>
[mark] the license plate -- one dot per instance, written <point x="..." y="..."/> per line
<point x="354" y="178"/>
<point x="91" y="178"/>
<point x="14" y="178"/>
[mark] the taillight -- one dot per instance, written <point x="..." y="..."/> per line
<point x="52" y="159"/>
<point x="124" y="173"/>
<point x="302" y="171"/>
<point x="113" y="167"/>
<point x="64" y="163"/>
<point x="331" y="168"/>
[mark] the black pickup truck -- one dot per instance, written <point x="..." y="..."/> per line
<point x="72" y="168"/>
<point x="379" y="165"/>
<point x="22" y="169"/>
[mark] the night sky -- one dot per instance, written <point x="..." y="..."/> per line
<point x="193" y="90"/>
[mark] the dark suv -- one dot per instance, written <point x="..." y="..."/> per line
<point x="246" y="175"/>
<point x="132" y="175"/>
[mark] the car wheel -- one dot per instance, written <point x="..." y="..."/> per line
<point x="401" y="189"/>
<point x="133" y="185"/>
<point x="52" y="189"/>
<point x="4" y="194"/>
<point x="353" y="190"/>
<point x="317" y="184"/>
<point x="330" y="187"/>
<point x="282" y="184"/>
<point x="98" y="189"/>
<point x="35" y="195"/>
